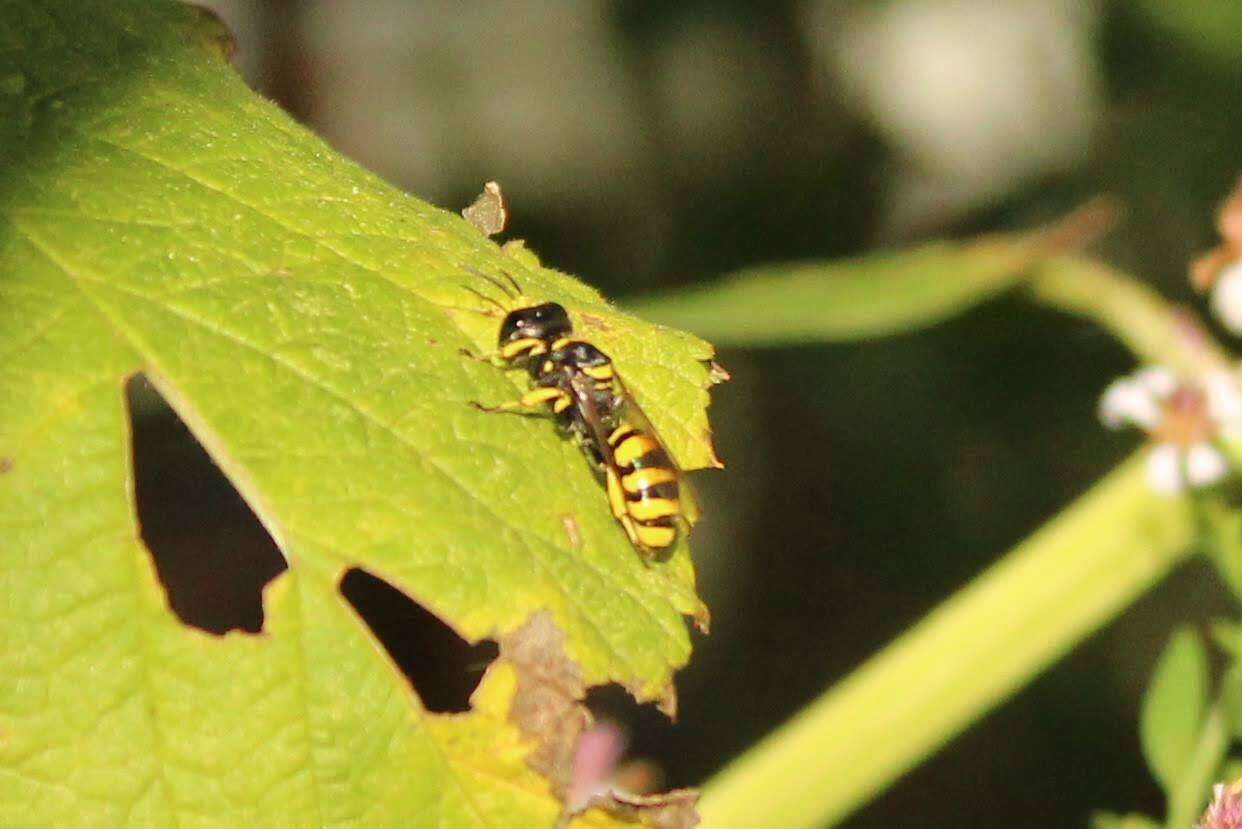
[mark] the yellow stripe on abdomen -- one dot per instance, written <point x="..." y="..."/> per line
<point x="619" y="433"/>
<point x="650" y="508"/>
<point x="632" y="447"/>
<point x="655" y="536"/>
<point x="641" y="479"/>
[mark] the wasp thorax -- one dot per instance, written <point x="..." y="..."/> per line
<point x="540" y="322"/>
<point x="585" y="355"/>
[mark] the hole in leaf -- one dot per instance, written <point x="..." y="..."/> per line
<point x="443" y="668"/>
<point x="640" y="768"/>
<point x="211" y="553"/>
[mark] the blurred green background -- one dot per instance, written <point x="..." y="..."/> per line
<point x="647" y="145"/>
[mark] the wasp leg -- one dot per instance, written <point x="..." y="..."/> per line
<point x="519" y="349"/>
<point x="616" y="496"/>
<point x="543" y="395"/>
<point x="514" y="407"/>
<point x="616" y="500"/>
<point x="490" y="357"/>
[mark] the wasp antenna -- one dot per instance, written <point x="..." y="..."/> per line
<point x="502" y="287"/>
<point x="484" y="297"/>
<point x="482" y="313"/>
<point x="517" y="288"/>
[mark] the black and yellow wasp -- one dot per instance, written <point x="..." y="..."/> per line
<point x="577" y="383"/>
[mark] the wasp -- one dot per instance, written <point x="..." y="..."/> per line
<point x="579" y="386"/>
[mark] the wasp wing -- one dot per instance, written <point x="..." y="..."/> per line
<point x="629" y="412"/>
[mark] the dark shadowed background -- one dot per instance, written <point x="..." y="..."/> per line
<point x="645" y="145"/>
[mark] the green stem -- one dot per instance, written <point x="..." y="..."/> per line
<point x="1070" y="577"/>
<point x="1131" y="311"/>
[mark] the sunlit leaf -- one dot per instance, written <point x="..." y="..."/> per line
<point x="306" y="320"/>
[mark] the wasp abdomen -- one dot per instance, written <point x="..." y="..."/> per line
<point x="646" y="487"/>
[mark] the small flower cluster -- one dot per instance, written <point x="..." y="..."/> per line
<point x="1220" y="269"/>
<point x="1186" y="421"/>
<point x="1225" y="810"/>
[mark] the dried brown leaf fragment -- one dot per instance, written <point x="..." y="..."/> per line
<point x="548" y="708"/>
<point x="547" y="704"/>
<point x="488" y="213"/>
<point x="667" y="810"/>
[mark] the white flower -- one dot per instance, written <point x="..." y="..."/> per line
<point x="1205" y="465"/>
<point x="1227" y="296"/>
<point x="1184" y="420"/>
<point x="1224" y="400"/>
<point x="1164" y="469"/>
<point x="1137" y="399"/>
<point x="1172" y="469"/>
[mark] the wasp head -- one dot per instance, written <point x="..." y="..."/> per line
<point x="541" y="322"/>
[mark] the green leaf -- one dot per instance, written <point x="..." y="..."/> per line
<point x="305" y="320"/>
<point x="1106" y="820"/>
<point x="1227" y="635"/>
<point x="866" y="298"/>
<point x="1221" y="534"/>
<point x="1173" y="708"/>
<point x="1231" y="699"/>
<point x="1202" y="769"/>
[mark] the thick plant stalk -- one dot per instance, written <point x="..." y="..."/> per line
<point x="1131" y="311"/>
<point x="1072" y="576"/>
